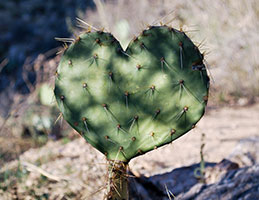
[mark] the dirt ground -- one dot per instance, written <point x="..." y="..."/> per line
<point x="75" y="170"/>
<point x="223" y="127"/>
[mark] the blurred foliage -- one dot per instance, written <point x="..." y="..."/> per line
<point x="46" y="95"/>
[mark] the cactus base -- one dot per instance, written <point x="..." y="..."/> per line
<point x="117" y="187"/>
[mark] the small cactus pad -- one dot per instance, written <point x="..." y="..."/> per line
<point x="126" y="103"/>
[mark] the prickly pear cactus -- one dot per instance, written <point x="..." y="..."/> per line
<point x="126" y="103"/>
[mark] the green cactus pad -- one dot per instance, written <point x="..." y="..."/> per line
<point x="126" y="103"/>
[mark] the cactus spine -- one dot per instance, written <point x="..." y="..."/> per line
<point x="126" y="103"/>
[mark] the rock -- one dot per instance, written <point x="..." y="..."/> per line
<point x="246" y="152"/>
<point x="224" y="180"/>
<point x="4" y="82"/>
<point x="240" y="184"/>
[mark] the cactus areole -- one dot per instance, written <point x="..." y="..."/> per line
<point x="128" y="102"/>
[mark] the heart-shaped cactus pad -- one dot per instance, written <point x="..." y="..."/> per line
<point x="128" y="102"/>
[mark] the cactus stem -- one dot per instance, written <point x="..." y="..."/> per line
<point x="117" y="187"/>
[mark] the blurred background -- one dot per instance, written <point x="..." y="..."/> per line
<point x="226" y="31"/>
